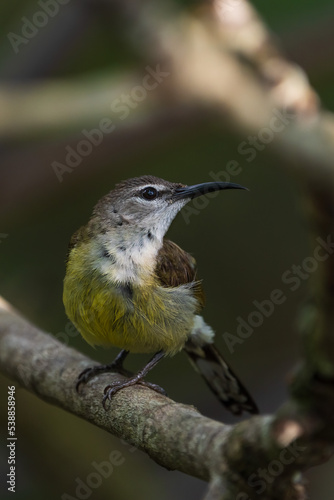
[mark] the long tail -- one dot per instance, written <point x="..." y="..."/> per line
<point x="209" y="363"/>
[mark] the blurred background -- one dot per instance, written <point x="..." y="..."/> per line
<point x="63" y="74"/>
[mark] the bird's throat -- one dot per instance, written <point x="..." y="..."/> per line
<point x="129" y="257"/>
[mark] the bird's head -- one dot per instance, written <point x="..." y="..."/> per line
<point x="149" y="203"/>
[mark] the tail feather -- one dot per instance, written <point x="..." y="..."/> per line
<point x="209" y="363"/>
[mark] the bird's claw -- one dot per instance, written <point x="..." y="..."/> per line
<point x="90" y="372"/>
<point x="111" y="390"/>
<point x="154" y="387"/>
<point x="84" y="376"/>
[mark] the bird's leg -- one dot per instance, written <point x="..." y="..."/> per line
<point x="114" y="366"/>
<point x="111" y="390"/>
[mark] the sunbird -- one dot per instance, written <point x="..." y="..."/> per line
<point x="127" y="286"/>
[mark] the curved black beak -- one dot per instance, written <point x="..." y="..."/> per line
<point x="204" y="188"/>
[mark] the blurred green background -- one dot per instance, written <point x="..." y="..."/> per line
<point x="243" y="242"/>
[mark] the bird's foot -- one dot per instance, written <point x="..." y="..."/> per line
<point x="154" y="387"/>
<point x="111" y="390"/>
<point x="90" y="372"/>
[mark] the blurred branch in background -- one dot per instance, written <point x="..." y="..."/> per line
<point x="30" y="109"/>
<point x="217" y="59"/>
<point x="217" y="56"/>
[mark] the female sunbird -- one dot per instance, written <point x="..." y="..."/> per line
<point x="127" y="286"/>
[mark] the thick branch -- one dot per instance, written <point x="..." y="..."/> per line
<point x="171" y="433"/>
<point x="176" y="436"/>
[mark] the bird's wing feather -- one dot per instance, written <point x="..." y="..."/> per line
<point x="175" y="267"/>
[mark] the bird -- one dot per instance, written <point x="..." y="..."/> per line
<point x="128" y="286"/>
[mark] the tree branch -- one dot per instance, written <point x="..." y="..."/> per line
<point x="171" y="433"/>
<point x="176" y="436"/>
<point x="69" y="104"/>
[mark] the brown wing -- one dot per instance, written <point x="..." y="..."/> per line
<point x="176" y="267"/>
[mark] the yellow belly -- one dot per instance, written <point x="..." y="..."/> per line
<point x="130" y="317"/>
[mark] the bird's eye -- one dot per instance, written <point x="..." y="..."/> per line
<point x="149" y="193"/>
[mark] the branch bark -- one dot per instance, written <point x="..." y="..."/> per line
<point x="147" y="420"/>
<point x="176" y="436"/>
